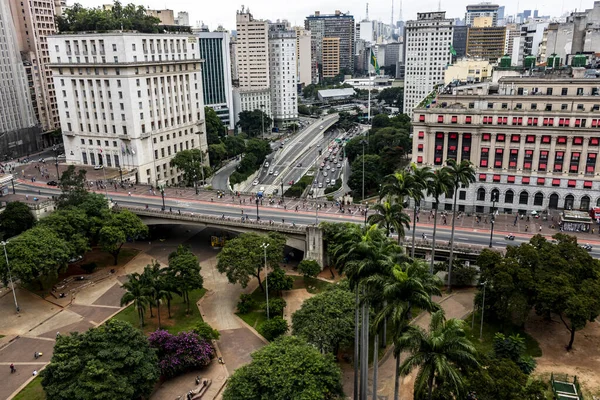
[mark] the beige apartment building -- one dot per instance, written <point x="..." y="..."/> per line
<point x="331" y="57"/>
<point x="303" y="56"/>
<point x="534" y="141"/>
<point x="34" y="22"/>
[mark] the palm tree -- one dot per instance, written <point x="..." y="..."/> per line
<point x="390" y="215"/>
<point x="138" y="293"/>
<point x="156" y="282"/>
<point x="362" y="252"/>
<point x="421" y="180"/>
<point x="406" y="285"/>
<point x="441" y="183"/>
<point x="439" y="353"/>
<point x="463" y="174"/>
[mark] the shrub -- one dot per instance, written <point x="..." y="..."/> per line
<point x="276" y="306"/>
<point x="246" y="303"/>
<point x="309" y="268"/>
<point x="278" y="280"/>
<point x="89" y="267"/>
<point x="274" y="328"/>
<point x="205" y="331"/>
<point x="181" y="352"/>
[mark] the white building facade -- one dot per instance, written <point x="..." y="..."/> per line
<point x="129" y="100"/>
<point x="428" y="41"/>
<point x="283" y="73"/>
<point x="303" y="56"/>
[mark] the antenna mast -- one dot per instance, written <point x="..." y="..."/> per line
<point x="392" y="15"/>
<point x="367" y="18"/>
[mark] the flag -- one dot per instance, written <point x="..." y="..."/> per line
<point x="100" y="150"/>
<point x="133" y="151"/>
<point x="374" y="62"/>
<point x="122" y="149"/>
<point x="127" y="150"/>
<point x="452" y="51"/>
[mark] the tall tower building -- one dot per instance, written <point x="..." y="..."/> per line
<point x="216" y="74"/>
<point x="482" y="10"/>
<point x="19" y="132"/>
<point x="252" y="57"/>
<point x="34" y="22"/>
<point x="336" y="25"/>
<point x="428" y="41"/>
<point x="303" y="56"/>
<point x="129" y="100"/>
<point x="282" y="75"/>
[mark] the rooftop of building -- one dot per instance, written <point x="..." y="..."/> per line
<point x="336" y="92"/>
<point x="118" y="33"/>
<point x="337" y="14"/>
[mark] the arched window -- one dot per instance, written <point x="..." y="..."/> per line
<point x="569" y="200"/>
<point x="481" y="194"/>
<point x="538" y="199"/>
<point x="553" y="203"/>
<point x="585" y="203"/>
<point x="509" y="196"/>
<point x="523" y="197"/>
<point x="495" y="195"/>
<point x="598" y="202"/>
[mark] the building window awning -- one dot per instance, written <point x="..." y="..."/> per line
<point x="514" y="151"/>
<point x="496" y="178"/>
<point x="511" y="179"/>
<point x="527" y="165"/>
<point x="572" y="183"/>
<point x="482" y="177"/>
<point x="587" y="184"/>
<point x="525" y="180"/>
<point x="555" y="182"/>
<point x="420" y="159"/>
<point x="541" y="181"/>
<point x="421" y="135"/>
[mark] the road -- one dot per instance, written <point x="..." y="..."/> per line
<point x="220" y="180"/>
<point x="292" y="159"/>
<point x="304" y="216"/>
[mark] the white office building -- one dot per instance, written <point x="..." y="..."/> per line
<point x="283" y="74"/>
<point x="428" y="40"/>
<point x="129" y="100"/>
<point x="252" y="57"/>
<point x="303" y="56"/>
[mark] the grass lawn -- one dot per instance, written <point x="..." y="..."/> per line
<point x="179" y="321"/>
<point x="312" y="285"/>
<point x="486" y="345"/>
<point x="33" y="391"/>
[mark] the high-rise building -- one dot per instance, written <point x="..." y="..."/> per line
<point x="252" y="58"/>
<point x="428" y="42"/>
<point x="303" y="56"/>
<point x="367" y="31"/>
<point x="34" y="22"/>
<point x="486" y="43"/>
<point x="393" y="53"/>
<point x="283" y="74"/>
<point x="512" y="31"/>
<point x="59" y="7"/>
<point x="166" y="16"/>
<point x="482" y="10"/>
<point x="338" y="25"/>
<point x="530" y="152"/>
<point x="183" y="18"/>
<point x="216" y="75"/>
<point x="528" y="41"/>
<point x="129" y="100"/>
<point x="19" y="130"/>
<point x="459" y="41"/>
<point x="501" y="11"/>
<point x="330" y="65"/>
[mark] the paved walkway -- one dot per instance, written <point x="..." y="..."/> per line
<point x="457" y="305"/>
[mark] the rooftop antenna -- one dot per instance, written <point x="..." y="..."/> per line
<point x="400" y="13"/>
<point x="392" y="15"/>
<point x="439" y="5"/>
<point x="367" y="17"/>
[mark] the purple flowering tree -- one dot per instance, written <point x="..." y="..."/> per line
<point x="181" y="352"/>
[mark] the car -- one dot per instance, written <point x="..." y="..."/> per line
<point x="587" y="247"/>
<point x="324" y="173"/>
<point x="299" y="165"/>
<point x="275" y="173"/>
<point x="61" y="156"/>
<point x="320" y="185"/>
<point x="339" y="165"/>
<point x="266" y="164"/>
<point x="52" y="183"/>
<point x="255" y="182"/>
<point x="41" y="160"/>
<point x="97" y="167"/>
<point x="270" y="172"/>
<point x="328" y="180"/>
<point x="291" y="182"/>
<point x="75" y="259"/>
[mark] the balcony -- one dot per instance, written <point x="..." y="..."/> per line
<point x="68" y="133"/>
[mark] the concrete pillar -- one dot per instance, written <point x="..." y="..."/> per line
<point x="314" y="245"/>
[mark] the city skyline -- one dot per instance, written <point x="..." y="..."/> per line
<point x="261" y="9"/>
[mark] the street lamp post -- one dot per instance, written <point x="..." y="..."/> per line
<point x="282" y="198"/>
<point x="482" y="310"/>
<point x="264" y="246"/>
<point x="56" y="159"/>
<point x="257" y="216"/>
<point x="162" y="192"/>
<point x="366" y="212"/>
<point x="121" y="173"/>
<point x="492" y="219"/>
<point x="262" y="118"/>
<point x="317" y="214"/>
<point x="363" y="169"/>
<point x="12" y="283"/>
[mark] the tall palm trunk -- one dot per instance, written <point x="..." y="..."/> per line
<point x="375" y="362"/>
<point x="356" y="341"/>
<point x="397" y="378"/>
<point x="158" y="311"/>
<point x="169" y="306"/>
<point x="141" y="316"/>
<point x="384" y="335"/>
<point x="150" y="305"/>
<point x="452" y="240"/>
<point x="433" y="239"/>
<point x="364" y="360"/>
<point x="412" y="252"/>
<point x="430" y="384"/>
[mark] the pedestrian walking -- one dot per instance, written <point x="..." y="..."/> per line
<point x="34" y="372"/>
<point x="12" y="368"/>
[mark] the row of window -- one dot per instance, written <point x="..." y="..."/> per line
<point x="521" y="121"/>
<point x="516" y="138"/>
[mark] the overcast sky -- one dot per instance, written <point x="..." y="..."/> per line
<point x="222" y="12"/>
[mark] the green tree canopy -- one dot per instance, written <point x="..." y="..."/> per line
<point x="252" y="122"/>
<point x="73" y="226"/>
<point x="234" y="145"/>
<point x="191" y="163"/>
<point x="16" y="218"/>
<point x="243" y="256"/>
<point x="120" y="227"/>
<point x="73" y="185"/>
<point x="184" y="270"/>
<point x="131" y="17"/>
<point x="38" y="254"/>
<point x="112" y="361"/>
<point x="333" y="309"/>
<point x="309" y="268"/>
<point x="288" y="368"/>
<point x="392" y="96"/>
<point x="214" y="127"/>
